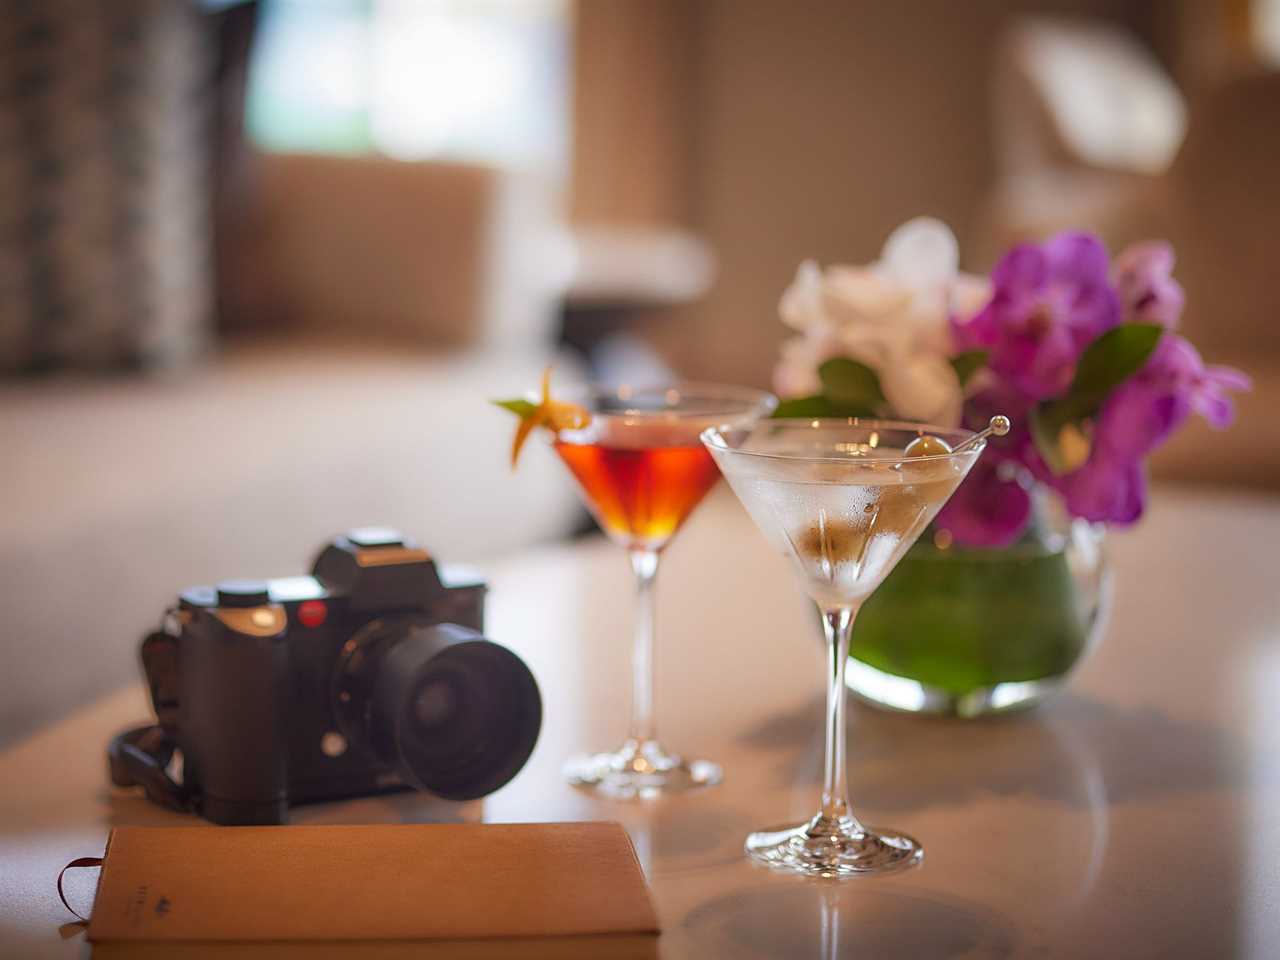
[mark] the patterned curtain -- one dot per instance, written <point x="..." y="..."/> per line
<point x="105" y="113"/>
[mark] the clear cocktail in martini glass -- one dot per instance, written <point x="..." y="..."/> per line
<point x="641" y="470"/>
<point x="842" y="500"/>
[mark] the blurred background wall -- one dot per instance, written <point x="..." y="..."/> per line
<point x="263" y="263"/>
<point x="825" y="124"/>
<point x="813" y="128"/>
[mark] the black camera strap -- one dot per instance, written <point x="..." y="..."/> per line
<point x="141" y="757"/>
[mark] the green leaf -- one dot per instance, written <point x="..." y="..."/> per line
<point x="1065" y="447"/>
<point x="968" y="363"/>
<point x="521" y="408"/>
<point x="1109" y="361"/>
<point x="1045" y="435"/>
<point x="852" y="410"/>
<point x="852" y="387"/>
<point x="814" y="406"/>
<point x="1105" y="364"/>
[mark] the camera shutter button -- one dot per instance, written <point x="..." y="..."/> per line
<point x="372" y="537"/>
<point x="243" y="593"/>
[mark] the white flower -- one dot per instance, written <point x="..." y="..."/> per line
<point x="801" y="304"/>
<point x="923" y="386"/>
<point x="796" y="373"/>
<point x="892" y="315"/>
<point x="969" y="294"/>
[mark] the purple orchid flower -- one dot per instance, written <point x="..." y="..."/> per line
<point x="1107" y="489"/>
<point x="991" y="508"/>
<point x="1049" y="302"/>
<point x="1143" y="275"/>
<point x="1139" y="416"/>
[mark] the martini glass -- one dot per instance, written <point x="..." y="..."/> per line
<point x="843" y="502"/>
<point x="641" y="470"/>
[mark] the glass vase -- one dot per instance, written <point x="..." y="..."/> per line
<point x="968" y="632"/>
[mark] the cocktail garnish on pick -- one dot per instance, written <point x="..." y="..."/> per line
<point x="997" y="425"/>
<point x="927" y="445"/>
<point x="555" y="415"/>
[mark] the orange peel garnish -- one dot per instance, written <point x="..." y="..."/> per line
<point x="555" y="415"/>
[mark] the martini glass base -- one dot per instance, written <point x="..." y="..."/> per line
<point x="640" y="769"/>
<point x="826" y="847"/>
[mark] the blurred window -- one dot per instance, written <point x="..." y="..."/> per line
<point x="1266" y="31"/>
<point x="477" y="80"/>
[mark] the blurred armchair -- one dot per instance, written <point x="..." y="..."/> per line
<point x="1085" y="126"/>
<point x="1091" y="133"/>
<point x="442" y="254"/>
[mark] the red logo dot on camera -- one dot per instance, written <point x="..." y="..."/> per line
<point x="312" y="613"/>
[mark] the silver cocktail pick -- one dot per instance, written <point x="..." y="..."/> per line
<point x="998" y="425"/>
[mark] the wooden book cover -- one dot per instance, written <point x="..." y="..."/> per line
<point x="385" y="882"/>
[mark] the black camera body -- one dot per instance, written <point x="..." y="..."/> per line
<point x="370" y="675"/>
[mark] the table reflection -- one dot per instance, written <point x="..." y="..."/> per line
<point x="964" y="787"/>
<point x="825" y="920"/>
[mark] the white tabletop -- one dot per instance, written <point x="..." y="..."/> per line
<point x="1138" y="815"/>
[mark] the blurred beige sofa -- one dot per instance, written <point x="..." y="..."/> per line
<point x="379" y="306"/>
<point x="1091" y="133"/>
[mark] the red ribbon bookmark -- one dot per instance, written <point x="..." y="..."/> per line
<point x="78" y="862"/>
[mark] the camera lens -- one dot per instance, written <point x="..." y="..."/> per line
<point x="435" y="704"/>
<point x="454" y="713"/>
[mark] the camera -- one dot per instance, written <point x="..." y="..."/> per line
<point x="370" y="675"/>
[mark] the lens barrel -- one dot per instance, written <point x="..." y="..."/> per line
<point x="454" y="713"/>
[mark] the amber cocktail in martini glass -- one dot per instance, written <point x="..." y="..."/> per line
<point x="641" y="470"/>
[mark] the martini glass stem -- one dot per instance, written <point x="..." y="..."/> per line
<point x="838" y="625"/>
<point x="645" y="564"/>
